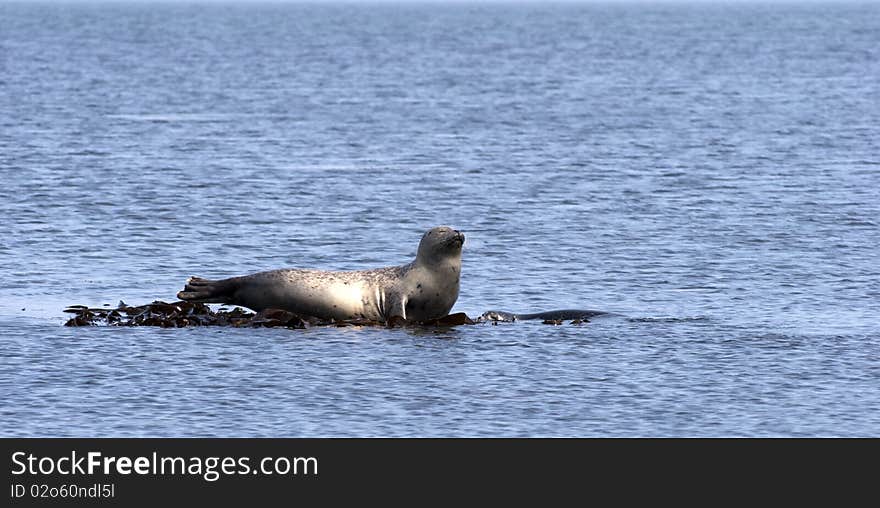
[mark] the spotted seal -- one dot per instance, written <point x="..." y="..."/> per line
<point x="422" y="290"/>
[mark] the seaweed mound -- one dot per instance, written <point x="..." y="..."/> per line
<point x="180" y="314"/>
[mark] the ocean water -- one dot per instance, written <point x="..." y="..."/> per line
<point x="711" y="174"/>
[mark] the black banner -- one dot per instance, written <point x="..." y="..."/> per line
<point x="269" y="471"/>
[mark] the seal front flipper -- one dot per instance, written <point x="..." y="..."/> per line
<point x="395" y="308"/>
<point x="202" y="290"/>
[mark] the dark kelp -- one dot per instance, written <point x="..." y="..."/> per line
<point x="180" y="314"/>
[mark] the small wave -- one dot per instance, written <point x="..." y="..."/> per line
<point x="686" y="319"/>
<point x="174" y="117"/>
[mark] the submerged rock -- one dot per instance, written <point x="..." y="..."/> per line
<point x="180" y="314"/>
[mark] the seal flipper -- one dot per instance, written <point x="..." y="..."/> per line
<point x="396" y="308"/>
<point x="202" y="290"/>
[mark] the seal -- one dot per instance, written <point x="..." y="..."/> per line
<point x="553" y="315"/>
<point x="422" y="290"/>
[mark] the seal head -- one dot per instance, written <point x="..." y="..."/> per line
<point x="440" y="245"/>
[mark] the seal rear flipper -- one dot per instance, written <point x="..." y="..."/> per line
<point x="202" y="290"/>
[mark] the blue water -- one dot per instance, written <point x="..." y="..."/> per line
<point x="709" y="173"/>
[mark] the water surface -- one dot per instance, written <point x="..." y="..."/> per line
<point x="709" y="173"/>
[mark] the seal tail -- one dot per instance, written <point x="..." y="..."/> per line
<point x="202" y="290"/>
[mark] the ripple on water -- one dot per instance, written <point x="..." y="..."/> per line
<point x="729" y="217"/>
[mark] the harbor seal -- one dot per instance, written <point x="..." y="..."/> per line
<point x="422" y="290"/>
